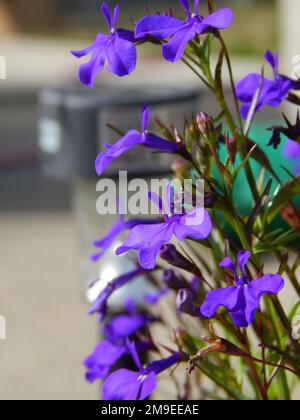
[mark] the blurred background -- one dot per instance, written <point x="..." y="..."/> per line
<point x="42" y="292"/>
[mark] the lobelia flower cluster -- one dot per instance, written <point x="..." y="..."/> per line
<point x="208" y="266"/>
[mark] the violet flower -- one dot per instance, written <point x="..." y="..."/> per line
<point x="100" y="305"/>
<point x="273" y="92"/>
<point x="117" y="49"/>
<point x="243" y="299"/>
<point x="126" y="385"/>
<point x="148" y="240"/>
<point x="180" y="31"/>
<point x="132" y="139"/>
<point x="102" y="360"/>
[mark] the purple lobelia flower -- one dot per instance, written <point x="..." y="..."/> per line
<point x="243" y="299"/>
<point x="132" y="139"/>
<point x="273" y="92"/>
<point x="180" y="31"/>
<point x="127" y="385"/>
<point x="100" y="305"/>
<point x="102" y="360"/>
<point x="149" y="239"/>
<point x="117" y="49"/>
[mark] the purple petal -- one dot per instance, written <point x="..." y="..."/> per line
<point x="89" y="71"/>
<point x="174" y="49"/>
<point x="148" y="239"/>
<point x="116" y="16"/>
<point x="252" y="294"/>
<point x="134" y="353"/>
<point x="159" y="366"/>
<point x="154" y="142"/>
<point x="84" y="52"/>
<point x="148" y="386"/>
<point x="130" y="140"/>
<point x="270" y="283"/>
<point x="291" y="150"/>
<point x="228" y="263"/>
<point x="158" y="26"/>
<point x="196" y="7"/>
<point x="121" y="56"/>
<point x="273" y="60"/>
<point x="220" y="19"/>
<point x="105" y="243"/>
<point x="144" y="236"/>
<point x="105" y="354"/>
<point x="243" y="258"/>
<point x="196" y="224"/>
<point x="145" y="117"/>
<point x="125" y="325"/>
<point x="227" y="297"/>
<point x="96" y="373"/>
<point x="126" y="34"/>
<point x="247" y="87"/>
<point x="186" y="6"/>
<point x="122" y="385"/>
<point x="107" y="14"/>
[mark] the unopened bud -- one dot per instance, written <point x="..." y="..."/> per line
<point x="185" y="303"/>
<point x="171" y="279"/>
<point x="231" y="146"/>
<point x="204" y="123"/>
<point x="170" y="254"/>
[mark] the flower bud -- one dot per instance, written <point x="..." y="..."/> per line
<point x="172" y="280"/>
<point x="185" y="303"/>
<point x="231" y="146"/>
<point x="204" y="123"/>
<point x="170" y="254"/>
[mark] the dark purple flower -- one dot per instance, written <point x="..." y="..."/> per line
<point x="243" y="299"/>
<point x="180" y="31"/>
<point x="273" y="92"/>
<point x="170" y="254"/>
<point x="117" y="49"/>
<point x="172" y="280"/>
<point x="100" y="305"/>
<point x="118" y="228"/>
<point x="185" y="303"/>
<point x="102" y="360"/>
<point x="148" y="240"/>
<point x="132" y="139"/>
<point x="127" y="385"/>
